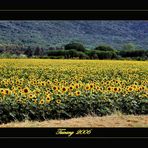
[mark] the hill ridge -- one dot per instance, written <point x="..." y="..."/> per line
<point x="90" y="33"/>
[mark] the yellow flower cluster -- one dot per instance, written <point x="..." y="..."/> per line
<point x="41" y="81"/>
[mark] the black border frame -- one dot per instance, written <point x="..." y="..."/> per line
<point x="73" y="5"/>
<point x="99" y="133"/>
<point x="48" y="134"/>
<point x="74" y="14"/>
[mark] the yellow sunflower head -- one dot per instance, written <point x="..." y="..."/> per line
<point x="48" y="99"/>
<point x="41" y="102"/>
<point x="55" y="88"/>
<point x="87" y="87"/>
<point x="26" y="90"/>
<point x="77" y="93"/>
<point x="58" y="101"/>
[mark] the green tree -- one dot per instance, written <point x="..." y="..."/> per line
<point x="104" y="48"/>
<point x="92" y="54"/>
<point x="28" y="52"/>
<point x="1" y="50"/>
<point x="76" y="46"/>
<point x="129" y="46"/>
<point x="73" y="53"/>
<point x="39" y="51"/>
<point x="134" y="53"/>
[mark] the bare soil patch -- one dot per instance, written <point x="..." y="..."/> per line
<point x="88" y="121"/>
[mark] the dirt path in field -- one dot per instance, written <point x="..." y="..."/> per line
<point x="89" y="121"/>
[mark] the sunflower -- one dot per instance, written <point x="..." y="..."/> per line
<point x="48" y="99"/>
<point x="31" y="96"/>
<point x="121" y="82"/>
<point x="102" y="83"/>
<point x="32" y="82"/>
<point x="116" y="81"/>
<point x="19" y="87"/>
<point x="137" y="89"/>
<point x="119" y="89"/>
<point x="115" y="89"/>
<point x="135" y="83"/>
<point x="77" y="93"/>
<point x="26" y="90"/>
<point x="55" y="81"/>
<point x="7" y="91"/>
<point x="64" y="89"/>
<point x="76" y="86"/>
<point x="71" y="87"/>
<point x="35" y="101"/>
<point x="18" y="101"/>
<point x="142" y="87"/>
<point x="91" y="86"/>
<point x="43" y="83"/>
<point x="11" y="82"/>
<point x="109" y="88"/>
<point x="97" y="88"/>
<point x="72" y="84"/>
<point x="107" y="82"/>
<point x="3" y="92"/>
<point x="58" y="101"/>
<point x="134" y="87"/>
<point x="55" y="88"/>
<point x="41" y="102"/>
<point x="47" y="89"/>
<point x="130" y="88"/>
<point x="17" y="82"/>
<point x="48" y="82"/>
<point x="87" y="87"/>
<point x="6" y="84"/>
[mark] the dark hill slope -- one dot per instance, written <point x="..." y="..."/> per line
<point x="57" y="33"/>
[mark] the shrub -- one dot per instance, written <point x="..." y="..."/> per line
<point x="134" y="53"/>
<point x="104" y="48"/>
<point x="76" y="46"/>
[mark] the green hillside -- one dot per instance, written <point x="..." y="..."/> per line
<point x="57" y="33"/>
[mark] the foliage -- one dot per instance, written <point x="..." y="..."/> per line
<point x="28" y="52"/>
<point x="39" y="51"/>
<point x="67" y="54"/>
<point x="76" y="46"/>
<point x="129" y="46"/>
<point x="57" y="33"/>
<point x="134" y="53"/>
<point x="104" y="48"/>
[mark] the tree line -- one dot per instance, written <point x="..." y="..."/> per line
<point x="75" y="50"/>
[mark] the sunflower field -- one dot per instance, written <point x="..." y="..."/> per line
<point x="39" y="89"/>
